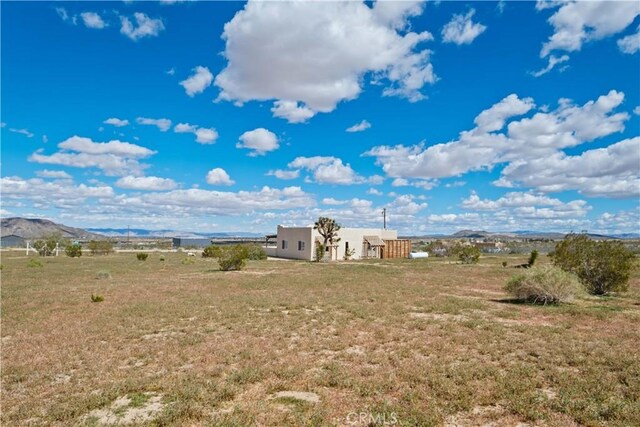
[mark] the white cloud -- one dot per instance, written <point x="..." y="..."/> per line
<point x="578" y="22"/>
<point x="292" y="111"/>
<point x="46" y="194"/>
<point x="116" y="122"/>
<point x="333" y="202"/>
<point x="92" y="20"/>
<point x="162" y="124"/>
<point x="284" y="174"/>
<point x="374" y="192"/>
<point x="219" y="176"/>
<point x="636" y="110"/>
<point x="62" y="13"/>
<point x="24" y="132"/>
<point x="400" y="182"/>
<point x="527" y="203"/>
<point x="206" y="135"/>
<point x="185" y="128"/>
<point x="198" y="82"/>
<point x="539" y="139"/>
<point x="631" y="43"/>
<point x="45" y="139"/>
<point x="146" y="27"/>
<point x="45" y="173"/>
<point x="322" y="57"/>
<point x="553" y="61"/>
<point x="603" y="172"/>
<point x="115" y="158"/>
<point x="461" y="29"/>
<point x="359" y="127"/>
<point x="171" y="71"/>
<point x="260" y="140"/>
<point x="146" y="183"/>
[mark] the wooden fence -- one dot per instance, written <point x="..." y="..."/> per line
<point x="396" y="249"/>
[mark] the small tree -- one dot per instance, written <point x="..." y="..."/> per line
<point x="532" y="258"/>
<point x="602" y="267"/>
<point x="544" y="285"/>
<point x="212" y="251"/>
<point x="467" y="254"/>
<point x="328" y="229"/>
<point x="73" y="251"/>
<point x="233" y="258"/>
<point x="142" y="256"/>
<point x="100" y="247"/>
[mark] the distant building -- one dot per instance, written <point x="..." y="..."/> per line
<point x="190" y="242"/>
<point x="12" y="241"/>
<point x="301" y="243"/>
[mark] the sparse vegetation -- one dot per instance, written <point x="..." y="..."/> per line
<point x="255" y="252"/>
<point x="467" y="254"/>
<point x="103" y="274"/>
<point x="188" y="261"/>
<point x="602" y="267"/>
<point x="319" y="252"/>
<point x="328" y="229"/>
<point x="375" y="336"/>
<point x="544" y="285"/>
<point x="73" y="251"/>
<point x="162" y="258"/>
<point x="97" y="298"/>
<point x="532" y="258"/>
<point x="142" y="256"/>
<point x="34" y="263"/>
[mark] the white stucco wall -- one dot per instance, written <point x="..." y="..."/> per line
<point x="354" y="237"/>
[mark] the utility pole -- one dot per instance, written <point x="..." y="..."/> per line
<point x="128" y="233"/>
<point x="384" y="218"/>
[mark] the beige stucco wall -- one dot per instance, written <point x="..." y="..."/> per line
<point x="353" y="236"/>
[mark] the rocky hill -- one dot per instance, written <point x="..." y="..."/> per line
<point x="31" y="228"/>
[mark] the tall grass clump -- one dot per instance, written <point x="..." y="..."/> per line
<point x="142" y="256"/>
<point x="233" y="258"/>
<point x="34" y="263"/>
<point x="544" y="285"/>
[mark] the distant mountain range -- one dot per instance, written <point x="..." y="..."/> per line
<point x="29" y="228"/>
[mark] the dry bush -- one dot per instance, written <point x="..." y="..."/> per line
<point x="544" y="285"/>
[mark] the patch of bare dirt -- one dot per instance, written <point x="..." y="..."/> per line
<point x="121" y="411"/>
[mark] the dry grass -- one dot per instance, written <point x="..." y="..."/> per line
<point x="423" y="342"/>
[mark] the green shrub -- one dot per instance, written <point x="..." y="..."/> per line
<point x="602" y="267"/>
<point x="103" y="274"/>
<point x="504" y="263"/>
<point x="100" y="247"/>
<point x="233" y="258"/>
<point x="212" y="251"/>
<point x="319" y="252"/>
<point x="544" y="285"/>
<point x="34" y="262"/>
<point x="532" y="258"/>
<point x="97" y="298"/>
<point x="142" y="256"/>
<point x="161" y="257"/>
<point x="73" y="251"/>
<point x="467" y="254"/>
<point x="188" y="261"/>
<point x="255" y="252"/>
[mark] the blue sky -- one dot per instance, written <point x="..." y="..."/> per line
<point x="231" y="116"/>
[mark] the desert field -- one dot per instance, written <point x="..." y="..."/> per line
<point x="290" y="343"/>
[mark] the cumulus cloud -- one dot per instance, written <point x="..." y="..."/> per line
<point x="260" y="140"/>
<point x="116" y="122"/>
<point x="327" y="170"/>
<point x="333" y="202"/>
<point x="359" y="127"/>
<point x="462" y="30"/>
<point x="219" y="176"/>
<point x="528" y="204"/>
<point x="532" y="140"/>
<point x="631" y="43"/>
<point x="146" y="183"/>
<point x="162" y="124"/>
<point x="185" y="128"/>
<point x="206" y="135"/>
<point x="45" y="173"/>
<point x="47" y="194"/>
<point x="323" y="56"/>
<point x="92" y="20"/>
<point x="284" y="174"/>
<point x="114" y="158"/>
<point x="198" y="82"/>
<point x="578" y="22"/>
<point x="143" y="27"/>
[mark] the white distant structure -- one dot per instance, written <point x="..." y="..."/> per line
<point x="360" y="243"/>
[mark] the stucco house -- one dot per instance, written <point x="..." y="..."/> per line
<point x="301" y="243"/>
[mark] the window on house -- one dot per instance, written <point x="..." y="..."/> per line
<point x="300" y="245"/>
<point x="285" y="245"/>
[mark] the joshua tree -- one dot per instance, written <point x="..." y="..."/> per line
<point x="328" y="229"/>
